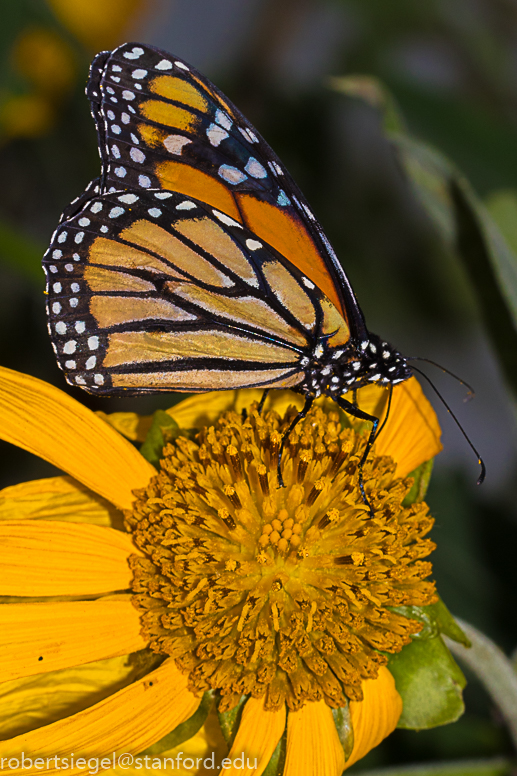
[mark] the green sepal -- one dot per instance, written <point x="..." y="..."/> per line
<point x="186" y="730"/>
<point x="275" y="766"/>
<point x="420" y="477"/>
<point x="436" y="619"/>
<point x="230" y="720"/>
<point x="345" y="732"/>
<point x="429" y="682"/>
<point x="163" y="429"/>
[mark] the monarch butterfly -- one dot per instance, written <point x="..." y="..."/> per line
<point x="194" y="262"/>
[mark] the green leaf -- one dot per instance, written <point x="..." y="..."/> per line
<point x="471" y="235"/>
<point x="496" y="766"/>
<point x="502" y="206"/>
<point x="21" y="253"/>
<point x="436" y="619"/>
<point x="429" y="682"/>
<point x="344" y="729"/>
<point x="421" y="477"/>
<point x="447" y="624"/>
<point x="230" y="720"/>
<point x="163" y="429"/>
<point x="372" y="91"/>
<point x="186" y="730"/>
<point x="464" y="225"/>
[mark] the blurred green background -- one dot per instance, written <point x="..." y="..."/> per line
<point x="433" y="263"/>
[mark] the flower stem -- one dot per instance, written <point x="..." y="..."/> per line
<point x="494" y="670"/>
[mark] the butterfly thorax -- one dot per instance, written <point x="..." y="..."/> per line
<point x="336" y="370"/>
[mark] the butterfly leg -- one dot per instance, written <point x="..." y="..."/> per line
<point x="351" y="409"/>
<point x="306" y="407"/>
<point x="262" y="401"/>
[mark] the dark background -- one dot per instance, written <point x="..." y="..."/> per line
<point x="451" y="66"/>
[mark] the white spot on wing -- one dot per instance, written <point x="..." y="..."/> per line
<point x="128" y="199"/>
<point x="255" y="169"/>
<point x="164" y="65"/>
<point x="216" y="134"/>
<point x="186" y="205"/>
<point x="223" y="119"/>
<point x="253" y="245"/>
<point x="226" y="219"/>
<point x="231" y="174"/>
<point x="69" y="347"/>
<point x="174" y="143"/>
<point x="144" y="181"/>
<point x="137" y="155"/>
<point x="135" y="53"/>
<point x="93" y="343"/>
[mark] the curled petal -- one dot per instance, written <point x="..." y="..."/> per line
<point x="376" y="716"/>
<point x="257" y="738"/>
<point x="47" y="422"/>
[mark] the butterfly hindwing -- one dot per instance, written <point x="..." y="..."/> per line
<point x="150" y="290"/>
<point x="161" y="124"/>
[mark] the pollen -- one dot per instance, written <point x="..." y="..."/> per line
<point x="282" y="593"/>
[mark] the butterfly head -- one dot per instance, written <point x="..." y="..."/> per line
<point x="334" y="371"/>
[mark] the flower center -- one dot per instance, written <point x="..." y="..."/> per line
<point x="282" y="592"/>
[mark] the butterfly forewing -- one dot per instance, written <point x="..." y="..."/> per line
<point x="161" y="124"/>
<point x="155" y="291"/>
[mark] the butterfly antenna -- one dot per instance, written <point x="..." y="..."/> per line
<point x="451" y="413"/>
<point x="470" y="390"/>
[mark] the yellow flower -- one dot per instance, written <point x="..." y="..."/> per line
<point x="220" y="582"/>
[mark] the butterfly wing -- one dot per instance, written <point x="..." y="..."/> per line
<point x="161" y="124"/>
<point x="152" y="290"/>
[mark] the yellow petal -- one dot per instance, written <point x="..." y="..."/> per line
<point x="204" y="409"/>
<point x="412" y="434"/>
<point x="57" y="498"/>
<point x="129" y="424"/>
<point x="257" y="737"/>
<point x="313" y="746"/>
<point x="43" y="558"/>
<point x="41" y="637"/>
<point x="376" y="716"/>
<point x="127" y="721"/>
<point x="41" y="699"/>
<point x="45" y="421"/>
<point x="198" y="756"/>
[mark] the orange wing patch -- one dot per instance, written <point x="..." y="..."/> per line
<point x="104" y="251"/>
<point x="290" y="238"/>
<point x="289" y="292"/>
<point x="199" y="185"/>
<point x="100" y="279"/>
<point x="333" y="323"/>
<point x="140" y="346"/>
<point x="244" y="310"/>
<point x="158" y="240"/>
<point x="199" y="380"/>
<point x="114" y="310"/>
<point x="211" y="238"/>
<point x="169" y="115"/>
<point x="173" y="88"/>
